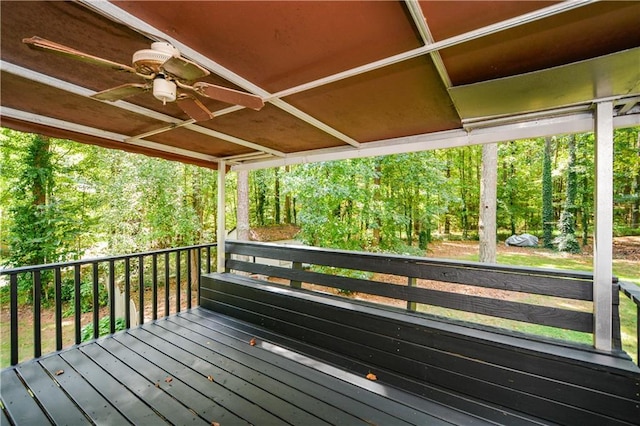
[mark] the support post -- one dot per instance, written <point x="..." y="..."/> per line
<point x="221" y="231"/>
<point x="603" y="233"/>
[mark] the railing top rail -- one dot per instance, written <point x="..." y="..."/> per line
<point x="30" y="268"/>
<point x="631" y="290"/>
<point x="310" y="251"/>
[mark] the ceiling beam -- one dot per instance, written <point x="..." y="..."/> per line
<point x="423" y="28"/>
<point x="92" y="131"/>
<point x="579" y="122"/>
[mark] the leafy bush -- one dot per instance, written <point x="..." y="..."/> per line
<point x="86" y="297"/>
<point x="4" y="294"/>
<point x="103" y="328"/>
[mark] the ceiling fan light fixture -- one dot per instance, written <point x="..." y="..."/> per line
<point x="164" y="90"/>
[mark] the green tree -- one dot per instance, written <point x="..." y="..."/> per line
<point x="547" y="195"/>
<point x="567" y="240"/>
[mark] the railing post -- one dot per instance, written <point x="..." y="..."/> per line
<point x="154" y="272"/>
<point x="37" y="326"/>
<point x="57" y="282"/>
<point x="96" y="302"/>
<point x="166" y="284"/>
<point x="189" y="279"/>
<point x="199" y="266"/>
<point x="112" y="298"/>
<point x="603" y="232"/>
<point x="77" y="308"/>
<point x="411" y="282"/>
<point x="296" y="283"/>
<point x="13" y="301"/>
<point x="178" y="279"/>
<point x="127" y="292"/>
<point x="141" y="289"/>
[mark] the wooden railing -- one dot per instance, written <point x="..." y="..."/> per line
<point x="183" y="265"/>
<point x="461" y="286"/>
<point x="632" y="291"/>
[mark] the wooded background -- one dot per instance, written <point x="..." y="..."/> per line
<point x="61" y="200"/>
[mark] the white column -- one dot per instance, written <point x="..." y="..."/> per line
<point x="222" y="231"/>
<point x="603" y="233"/>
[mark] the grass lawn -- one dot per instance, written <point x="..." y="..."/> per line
<point x="625" y="270"/>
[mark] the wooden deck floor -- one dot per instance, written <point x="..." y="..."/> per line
<point x="198" y="367"/>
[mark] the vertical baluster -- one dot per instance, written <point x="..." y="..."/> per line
<point x="13" y="312"/>
<point x="412" y="282"/>
<point x="199" y="273"/>
<point x="208" y="259"/>
<point x="141" y="289"/>
<point x="127" y="292"/>
<point x="154" y="272"/>
<point x="189" y="279"/>
<point x="77" y="309"/>
<point x="37" y="329"/>
<point x="178" y="281"/>
<point x="112" y="298"/>
<point x="166" y="284"/>
<point x="57" y="281"/>
<point x="96" y="301"/>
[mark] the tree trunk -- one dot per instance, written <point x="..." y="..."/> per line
<point x="547" y="196"/>
<point x="243" y="206"/>
<point x="276" y="198"/>
<point x="488" y="195"/>
<point x="635" y="209"/>
<point x="567" y="240"/>
<point x="287" y="202"/>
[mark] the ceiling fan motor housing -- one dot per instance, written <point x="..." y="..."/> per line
<point x="164" y="90"/>
<point x="149" y="61"/>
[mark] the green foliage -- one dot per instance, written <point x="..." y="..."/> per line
<point x="567" y="240"/>
<point x="547" y="196"/>
<point x="104" y="328"/>
<point x="86" y="296"/>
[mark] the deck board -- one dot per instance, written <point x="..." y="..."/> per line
<point x="123" y="379"/>
<point x="51" y="395"/>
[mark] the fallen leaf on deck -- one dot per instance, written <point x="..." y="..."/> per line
<point x="59" y="372"/>
<point x="252" y="342"/>
<point x="215" y="424"/>
<point x="371" y="376"/>
<point x="168" y="380"/>
<point x="157" y="384"/>
<point x="210" y="378"/>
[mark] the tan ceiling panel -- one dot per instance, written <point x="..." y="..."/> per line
<point x="74" y="26"/>
<point x="273" y="128"/>
<point x="277" y="45"/>
<point x="22" y="94"/>
<point x="400" y="100"/>
<point x="587" y="32"/>
<point x="451" y="18"/>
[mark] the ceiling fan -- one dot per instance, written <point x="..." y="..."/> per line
<point x="165" y="71"/>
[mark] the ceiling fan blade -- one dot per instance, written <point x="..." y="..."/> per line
<point x="194" y="108"/>
<point x="49" y="46"/>
<point x="229" y="96"/>
<point x="184" y="69"/>
<point x="121" y="92"/>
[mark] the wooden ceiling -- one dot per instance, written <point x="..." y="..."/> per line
<point x="338" y="78"/>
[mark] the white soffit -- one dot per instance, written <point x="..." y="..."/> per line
<point x="614" y="75"/>
<point x="572" y="123"/>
